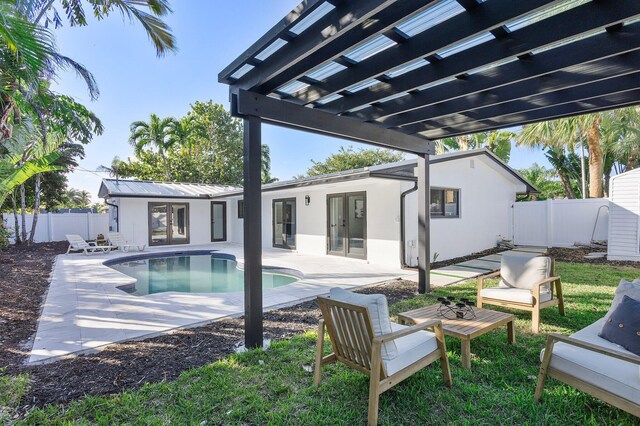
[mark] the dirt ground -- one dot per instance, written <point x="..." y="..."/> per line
<point x="24" y="274"/>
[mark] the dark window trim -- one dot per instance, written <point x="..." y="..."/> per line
<point x="345" y="207"/>
<point x="170" y="241"/>
<point x="442" y="216"/>
<point x="240" y="209"/>
<point x="224" y="221"/>
<point x="273" y="223"/>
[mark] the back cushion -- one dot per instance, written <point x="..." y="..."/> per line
<point x="625" y="288"/>
<point x="378" y="309"/>
<point x="524" y="271"/>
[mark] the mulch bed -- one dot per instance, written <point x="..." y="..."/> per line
<point x="24" y="273"/>
<point x="576" y="255"/>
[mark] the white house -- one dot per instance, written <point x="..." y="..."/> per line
<point x="624" y="216"/>
<point x="368" y="213"/>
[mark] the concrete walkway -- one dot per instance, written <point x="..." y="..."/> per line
<point x="452" y="274"/>
<point x="84" y="310"/>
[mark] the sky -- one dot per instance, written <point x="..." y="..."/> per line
<point x="134" y="83"/>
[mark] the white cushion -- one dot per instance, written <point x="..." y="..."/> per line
<point x="378" y="309"/>
<point x="519" y="271"/>
<point x="616" y="376"/>
<point x="517" y="295"/>
<point x="411" y="348"/>
<point x="625" y="288"/>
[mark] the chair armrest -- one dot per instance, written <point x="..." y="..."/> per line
<point x="410" y="330"/>
<point x="554" y="337"/>
<point x="481" y="278"/>
<point x="545" y="281"/>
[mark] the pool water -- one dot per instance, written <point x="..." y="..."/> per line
<point x="202" y="273"/>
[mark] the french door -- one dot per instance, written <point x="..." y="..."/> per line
<point x="284" y="223"/>
<point x="218" y="221"/>
<point x="168" y="223"/>
<point x="347" y="224"/>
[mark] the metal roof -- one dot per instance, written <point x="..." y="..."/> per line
<point x="424" y="70"/>
<point x="402" y="170"/>
<point x="145" y="188"/>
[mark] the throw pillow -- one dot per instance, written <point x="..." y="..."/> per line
<point x="623" y="325"/>
<point x="625" y="288"/>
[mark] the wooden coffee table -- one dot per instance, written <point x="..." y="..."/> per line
<point x="464" y="329"/>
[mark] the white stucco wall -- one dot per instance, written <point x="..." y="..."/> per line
<point x="485" y="209"/>
<point x="486" y="195"/>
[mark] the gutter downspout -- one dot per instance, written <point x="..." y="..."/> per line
<point x="106" y="201"/>
<point x="403" y="262"/>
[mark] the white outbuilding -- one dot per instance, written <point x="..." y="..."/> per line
<point x="624" y="216"/>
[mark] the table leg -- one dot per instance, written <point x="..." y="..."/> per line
<point x="511" y="333"/>
<point x="466" y="353"/>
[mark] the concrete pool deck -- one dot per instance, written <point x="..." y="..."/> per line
<point x="84" y="310"/>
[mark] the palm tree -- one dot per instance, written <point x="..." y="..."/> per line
<point x="158" y="133"/>
<point x="114" y="169"/>
<point x="497" y="141"/>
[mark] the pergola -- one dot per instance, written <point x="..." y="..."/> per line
<point x="402" y="73"/>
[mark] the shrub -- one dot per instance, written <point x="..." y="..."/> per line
<point x="5" y="236"/>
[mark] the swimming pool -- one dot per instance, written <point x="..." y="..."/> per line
<point x="190" y="273"/>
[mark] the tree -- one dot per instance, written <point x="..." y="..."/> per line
<point x="115" y="169"/>
<point x="497" y="141"/>
<point x="545" y="180"/>
<point x="349" y="158"/>
<point x="155" y="133"/>
<point x="205" y="146"/>
<point x="77" y="199"/>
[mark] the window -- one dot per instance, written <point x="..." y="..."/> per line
<point x="445" y="203"/>
<point x="240" y="209"/>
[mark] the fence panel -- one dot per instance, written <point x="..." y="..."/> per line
<point x="560" y="223"/>
<point x="54" y="226"/>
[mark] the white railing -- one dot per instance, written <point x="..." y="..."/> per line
<point x="54" y="226"/>
<point x="560" y="223"/>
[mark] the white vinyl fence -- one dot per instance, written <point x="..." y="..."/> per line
<point x="54" y="226"/>
<point x="560" y="223"/>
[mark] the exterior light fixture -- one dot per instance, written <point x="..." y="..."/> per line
<point x="307" y="200"/>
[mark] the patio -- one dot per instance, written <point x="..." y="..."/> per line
<point x="85" y="310"/>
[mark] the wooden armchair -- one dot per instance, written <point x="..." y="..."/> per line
<point x="355" y="344"/>
<point x="527" y="283"/>
<point x="601" y="370"/>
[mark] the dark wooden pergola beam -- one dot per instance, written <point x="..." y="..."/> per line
<point x="532" y="103"/>
<point x="383" y="21"/>
<point x="588" y="17"/>
<point x="584" y="51"/>
<point x="326" y="31"/>
<point x="517" y="96"/>
<point x="294" y="116"/>
<point x="476" y="21"/>
<point x="604" y="103"/>
<point x="302" y="10"/>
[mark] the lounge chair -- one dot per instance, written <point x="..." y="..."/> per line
<point x="526" y="283"/>
<point x="363" y="338"/>
<point x="117" y="240"/>
<point x="594" y="365"/>
<point x="77" y="243"/>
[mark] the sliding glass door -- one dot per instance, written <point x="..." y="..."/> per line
<point x="168" y="223"/>
<point x="284" y="223"/>
<point x="347" y="224"/>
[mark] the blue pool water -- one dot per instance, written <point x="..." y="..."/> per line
<point x="192" y="273"/>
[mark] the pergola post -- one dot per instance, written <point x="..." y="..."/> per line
<point x="424" y="233"/>
<point x="253" y="328"/>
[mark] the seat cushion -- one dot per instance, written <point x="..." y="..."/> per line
<point x="411" y="348"/>
<point x="517" y="295"/>
<point x="625" y="288"/>
<point x="378" y="309"/>
<point x="616" y="376"/>
<point x="519" y="271"/>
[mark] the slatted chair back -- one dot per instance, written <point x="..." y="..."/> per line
<point x="77" y="242"/>
<point x="351" y="332"/>
<point x="116" y="239"/>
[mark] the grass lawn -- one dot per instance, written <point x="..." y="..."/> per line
<point x="275" y="387"/>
